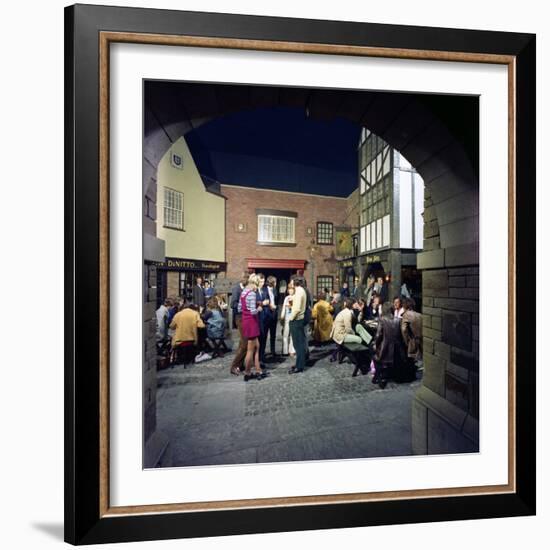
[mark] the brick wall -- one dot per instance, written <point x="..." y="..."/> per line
<point x="241" y="208"/>
<point x="352" y="211"/>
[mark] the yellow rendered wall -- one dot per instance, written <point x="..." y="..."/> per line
<point x="203" y="237"/>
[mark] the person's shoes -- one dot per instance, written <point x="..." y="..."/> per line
<point x="248" y="377"/>
<point x="203" y="357"/>
<point x="262" y="375"/>
<point x="382" y="384"/>
<point x="236" y="372"/>
<point x="294" y="370"/>
<point x="375" y="379"/>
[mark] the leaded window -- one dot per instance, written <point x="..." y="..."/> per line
<point x="173" y="209"/>
<point x="276" y="229"/>
<point x="324" y="281"/>
<point x="325" y="233"/>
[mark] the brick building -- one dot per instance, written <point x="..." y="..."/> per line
<point x="281" y="233"/>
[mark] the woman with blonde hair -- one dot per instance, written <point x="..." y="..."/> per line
<point x="251" y="327"/>
<point x="288" y="347"/>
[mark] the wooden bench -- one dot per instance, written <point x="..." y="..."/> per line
<point x="359" y="354"/>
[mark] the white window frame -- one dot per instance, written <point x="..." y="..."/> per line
<point x="170" y="214"/>
<point x="262" y="238"/>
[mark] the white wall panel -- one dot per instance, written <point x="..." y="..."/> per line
<point x="418" y="211"/>
<point x="405" y="210"/>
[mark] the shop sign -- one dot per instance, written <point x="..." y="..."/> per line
<point x="180" y="264"/>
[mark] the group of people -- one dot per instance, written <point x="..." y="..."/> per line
<point x="256" y="316"/>
<point x="393" y="330"/>
<point x="200" y="323"/>
<point x="202" y="291"/>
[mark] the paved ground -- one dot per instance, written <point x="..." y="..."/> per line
<point x="213" y="417"/>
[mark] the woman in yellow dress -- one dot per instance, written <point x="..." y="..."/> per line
<point x="322" y="315"/>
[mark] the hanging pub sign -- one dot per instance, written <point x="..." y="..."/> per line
<point x="180" y="264"/>
<point x="343" y="241"/>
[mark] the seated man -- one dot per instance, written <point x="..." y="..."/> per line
<point x="186" y="324"/>
<point x="342" y="328"/>
<point x="390" y="349"/>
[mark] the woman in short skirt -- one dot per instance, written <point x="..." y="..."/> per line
<point x="251" y="328"/>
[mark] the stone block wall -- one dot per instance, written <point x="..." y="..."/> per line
<point x="149" y="351"/>
<point x="158" y="137"/>
<point x="446" y="409"/>
<point x="451" y="334"/>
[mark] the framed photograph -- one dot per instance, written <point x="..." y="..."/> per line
<point x="299" y="252"/>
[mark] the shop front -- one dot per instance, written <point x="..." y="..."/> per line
<point x="349" y="274"/>
<point x="396" y="267"/>
<point x="176" y="276"/>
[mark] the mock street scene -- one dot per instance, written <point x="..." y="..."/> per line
<point x="311" y="274"/>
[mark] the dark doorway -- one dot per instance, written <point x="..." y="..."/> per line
<point x="283" y="278"/>
<point x="161" y="287"/>
<point x="412" y="278"/>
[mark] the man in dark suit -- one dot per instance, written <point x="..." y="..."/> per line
<point x="270" y="315"/>
<point x="390" y="349"/>
<point x="263" y="317"/>
<point x="198" y="294"/>
<point x="307" y="314"/>
<point x="381" y="289"/>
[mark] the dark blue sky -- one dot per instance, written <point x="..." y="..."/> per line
<point x="278" y="148"/>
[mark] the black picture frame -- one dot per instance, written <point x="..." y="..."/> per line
<point x="84" y="523"/>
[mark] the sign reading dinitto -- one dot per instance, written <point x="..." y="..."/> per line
<point x="181" y="264"/>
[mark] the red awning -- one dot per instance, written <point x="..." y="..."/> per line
<point x="263" y="263"/>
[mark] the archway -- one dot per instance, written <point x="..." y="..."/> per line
<point x="435" y="134"/>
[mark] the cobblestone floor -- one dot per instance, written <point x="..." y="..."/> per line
<point x="213" y="417"/>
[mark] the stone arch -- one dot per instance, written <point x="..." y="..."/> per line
<point x="430" y="133"/>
